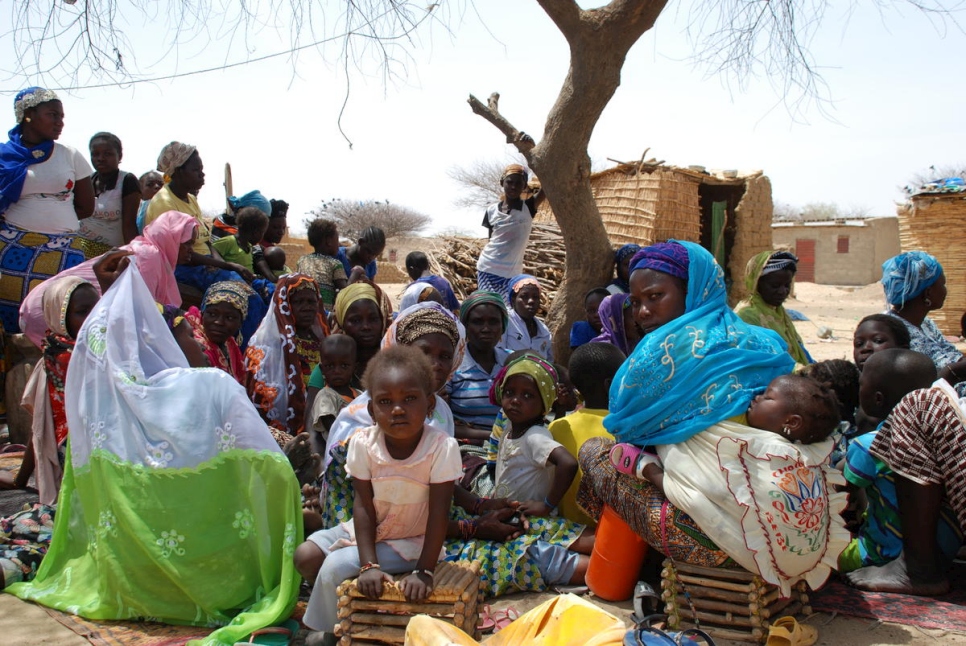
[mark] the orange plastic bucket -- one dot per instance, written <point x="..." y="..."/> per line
<point x="616" y="560"/>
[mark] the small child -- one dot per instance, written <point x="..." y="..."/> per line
<point x="566" y="395"/>
<point x="252" y="224"/>
<point x="417" y="266"/>
<point x="324" y="265"/>
<point x="275" y="258"/>
<point x="593" y="366"/>
<point x="530" y="467"/>
<point x="402" y="475"/>
<point x="338" y="366"/>
<point x="877" y="332"/>
<point x="582" y="332"/>
<point x="887" y="376"/>
<point x="795" y="407"/>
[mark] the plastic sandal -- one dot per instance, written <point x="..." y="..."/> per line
<point x="504" y="618"/>
<point x="624" y="458"/>
<point x="275" y="635"/>
<point x="644" y="595"/>
<point x="487" y="622"/>
<point x="788" y="632"/>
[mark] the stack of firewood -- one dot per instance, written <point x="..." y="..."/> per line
<point x="455" y="259"/>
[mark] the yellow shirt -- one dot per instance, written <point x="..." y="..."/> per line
<point x="165" y="201"/>
<point x="572" y="431"/>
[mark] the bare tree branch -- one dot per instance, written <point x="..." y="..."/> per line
<point x="513" y="135"/>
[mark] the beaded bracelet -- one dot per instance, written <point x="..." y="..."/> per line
<point x="467" y="529"/>
<point x="477" y="507"/>
<point x="369" y="566"/>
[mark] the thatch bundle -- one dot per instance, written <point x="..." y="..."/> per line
<point x="455" y="259"/>
<point x="934" y="223"/>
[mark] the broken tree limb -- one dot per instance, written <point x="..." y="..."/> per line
<point x="513" y="135"/>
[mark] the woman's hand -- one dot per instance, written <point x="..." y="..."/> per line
<point x="417" y="586"/>
<point x="498" y="504"/>
<point x="371" y="581"/>
<point x="495" y="526"/>
<point x="109" y="267"/>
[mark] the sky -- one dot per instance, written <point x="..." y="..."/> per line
<point x="895" y="108"/>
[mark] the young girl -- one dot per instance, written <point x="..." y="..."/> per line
<point x="324" y="265"/>
<point x="530" y="467"/>
<point x="117" y="198"/>
<point x="508" y="222"/>
<point x="798" y="408"/>
<point x="402" y="474"/>
<point x="877" y="332"/>
<point x="524" y="331"/>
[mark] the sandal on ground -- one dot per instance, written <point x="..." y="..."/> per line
<point x="646" y="602"/>
<point x="487" y="622"/>
<point x="275" y="635"/>
<point x="788" y="632"/>
<point x="504" y="618"/>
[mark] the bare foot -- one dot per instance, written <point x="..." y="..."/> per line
<point x="896" y="577"/>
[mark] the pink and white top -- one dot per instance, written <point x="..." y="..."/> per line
<point x="401" y="487"/>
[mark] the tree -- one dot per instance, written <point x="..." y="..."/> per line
<point x="747" y="37"/>
<point x="353" y="216"/>
<point x="481" y="181"/>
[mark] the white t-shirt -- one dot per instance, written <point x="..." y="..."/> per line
<point x="46" y="203"/>
<point x="517" y="337"/>
<point x="522" y="472"/>
<point x="509" y="234"/>
<point x="104" y="225"/>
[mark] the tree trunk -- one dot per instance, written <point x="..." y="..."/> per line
<point x="599" y="40"/>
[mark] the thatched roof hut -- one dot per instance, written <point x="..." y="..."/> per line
<point x="728" y="213"/>
<point x="933" y="222"/>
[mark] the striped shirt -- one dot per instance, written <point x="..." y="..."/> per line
<point x="469" y="391"/>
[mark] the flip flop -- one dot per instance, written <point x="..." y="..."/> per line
<point x="504" y="618"/>
<point x="275" y="635"/>
<point x="487" y="622"/>
<point x="788" y="632"/>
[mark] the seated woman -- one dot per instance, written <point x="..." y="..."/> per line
<point x="165" y="242"/>
<point x="698" y="365"/>
<point x="617" y="323"/>
<point x="132" y="535"/>
<point x="923" y="441"/>
<point x="485" y="317"/>
<point x="914" y="285"/>
<point x="217" y="324"/>
<point x="283" y="352"/>
<point x="622" y="260"/>
<point x="524" y="331"/>
<point x="768" y="279"/>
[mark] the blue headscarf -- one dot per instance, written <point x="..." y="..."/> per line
<point x="251" y="198"/>
<point x="908" y="275"/>
<point x="15" y="157"/>
<point x="697" y="370"/>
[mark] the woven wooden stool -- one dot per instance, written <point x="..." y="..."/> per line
<point x="729" y="603"/>
<point x="455" y="598"/>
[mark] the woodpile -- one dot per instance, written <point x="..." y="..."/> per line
<point x="455" y="260"/>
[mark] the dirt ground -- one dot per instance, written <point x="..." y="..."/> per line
<point x="839" y="308"/>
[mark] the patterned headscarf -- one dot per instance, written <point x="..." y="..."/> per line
<point x="533" y="366"/>
<point x="276" y="381"/>
<point x="514" y="169"/>
<point x="625" y="251"/>
<point x="233" y="292"/>
<point x="908" y="275"/>
<point x="520" y="281"/>
<point x="31" y="97"/>
<point x="484" y="298"/>
<point x="173" y="156"/>
<point x="666" y="257"/>
<point x="780" y="261"/>
<point x="426" y="318"/>
<point x="57" y="299"/>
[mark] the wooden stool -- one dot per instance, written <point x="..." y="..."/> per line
<point x="729" y="603"/>
<point x="455" y="598"/>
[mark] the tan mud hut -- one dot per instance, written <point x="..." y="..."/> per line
<point x="730" y="216"/>
<point x="933" y="222"/>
